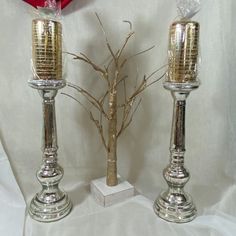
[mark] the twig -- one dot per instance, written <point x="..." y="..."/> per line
<point x="112" y="59"/>
<point x="158" y="79"/>
<point x="124" y="45"/>
<point x="100" y="129"/>
<point x="85" y="58"/>
<point x="101" y="100"/>
<point x="130" y="24"/>
<point x="143" y="85"/>
<point x="126" y="111"/>
<point x="124" y="126"/>
<point x="139" y="89"/>
<point x="137" y="54"/>
<point x="131" y="117"/>
<point x="105" y="35"/>
<point x="90" y="98"/>
<point x="125" y="92"/>
<point x="154" y="72"/>
<point x="96" y="122"/>
<point x="102" y="27"/>
<point x="121" y="80"/>
<point x="70" y="96"/>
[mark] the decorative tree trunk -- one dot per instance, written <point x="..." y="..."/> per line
<point x="112" y="138"/>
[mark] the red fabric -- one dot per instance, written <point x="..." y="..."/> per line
<point x="40" y="3"/>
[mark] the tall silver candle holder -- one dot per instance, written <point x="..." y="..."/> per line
<point x="175" y="205"/>
<point x="51" y="203"/>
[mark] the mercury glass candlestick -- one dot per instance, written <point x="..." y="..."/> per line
<point x="175" y="205"/>
<point x="51" y="203"/>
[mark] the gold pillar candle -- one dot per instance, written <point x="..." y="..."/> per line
<point x="47" y="49"/>
<point x="183" y="51"/>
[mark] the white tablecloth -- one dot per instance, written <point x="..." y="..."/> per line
<point x="134" y="216"/>
<point x="12" y="213"/>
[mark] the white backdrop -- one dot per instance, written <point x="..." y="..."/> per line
<point x="143" y="148"/>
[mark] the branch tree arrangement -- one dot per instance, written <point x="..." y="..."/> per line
<point x="107" y="105"/>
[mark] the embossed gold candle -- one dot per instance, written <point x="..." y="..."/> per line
<point x="183" y="51"/>
<point x="47" y="49"/>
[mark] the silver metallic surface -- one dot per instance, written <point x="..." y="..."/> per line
<point x="51" y="203"/>
<point x="175" y="205"/>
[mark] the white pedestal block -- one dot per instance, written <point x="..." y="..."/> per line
<point x="106" y="195"/>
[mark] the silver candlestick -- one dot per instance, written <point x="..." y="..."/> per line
<point x="175" y="205"/>
<point x="51" y="203"/>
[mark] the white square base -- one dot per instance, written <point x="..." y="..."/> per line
<point x="106" y="195"/>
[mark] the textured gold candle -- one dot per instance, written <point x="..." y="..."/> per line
<point x="183" y="51"/>
<point x="47" y="49"/>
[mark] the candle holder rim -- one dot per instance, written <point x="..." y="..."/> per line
<point x="46" y="20"/>
<point x="186" y="21"/>
<point x="46" y="84"/>
<point x="183" y="87"/>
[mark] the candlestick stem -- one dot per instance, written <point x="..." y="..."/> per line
<point x="51" y="203"/>
<point x="175" y="204"/>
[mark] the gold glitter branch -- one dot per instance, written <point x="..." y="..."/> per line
<point x="107" y="104"/>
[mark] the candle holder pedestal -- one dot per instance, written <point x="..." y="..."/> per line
<point x="175" y="205"/>
<point x="51" y="203"/>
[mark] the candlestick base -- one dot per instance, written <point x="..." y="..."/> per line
<point x="175" y="207"/>
<point x="52" y="211"/>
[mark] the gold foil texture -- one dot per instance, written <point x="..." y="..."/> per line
<point x="47" y="49"/>
<point x="183" y="51"/>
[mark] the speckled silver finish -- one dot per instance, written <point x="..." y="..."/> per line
<point x="51" y="203"/>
